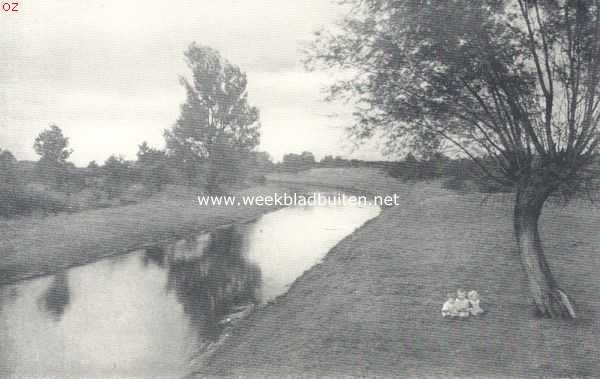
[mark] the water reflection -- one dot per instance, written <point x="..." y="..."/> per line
<point x="214" y="281"/>
<point x="8" y="295"/>
<point x="148" y="313"/>
<point x="57" y="297"/>
<point x="154" y="254"/>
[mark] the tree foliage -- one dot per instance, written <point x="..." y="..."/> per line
<point x="152" y="166"/>
<point x="298" y="162"/>
<point x="52" y="146"/>
<point x="516" y="81"/>
<point x="216" y="125"/>
<point x="513" y="85"/>
<point x="9" y="185"/>
<point x="117" y="173"/>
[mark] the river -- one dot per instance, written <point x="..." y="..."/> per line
<point x="148" y="313"/>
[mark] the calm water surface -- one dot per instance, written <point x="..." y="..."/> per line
<point x="148" y="313"/>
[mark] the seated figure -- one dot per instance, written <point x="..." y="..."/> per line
<point x="474" y="309"/>
<point x="448" y="309"/>
<point x="462" y="304"/>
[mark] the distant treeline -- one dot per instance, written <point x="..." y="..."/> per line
<point x="306" y="160"/>
<point x="459" y="174"/>
<point x="53" y="184"/>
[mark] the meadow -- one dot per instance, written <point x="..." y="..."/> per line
<point x="372" y="307"/>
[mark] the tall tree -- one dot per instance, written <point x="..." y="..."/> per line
<point x="514" y="83"/>
<point x="216" y="125"/>
<point x="52" y="147"/>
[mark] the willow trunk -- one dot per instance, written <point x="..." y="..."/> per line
<point x="549" y="300"/>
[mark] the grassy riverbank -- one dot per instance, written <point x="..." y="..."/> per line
<point x="31" y="246"/>
<point x="372" y="307"/>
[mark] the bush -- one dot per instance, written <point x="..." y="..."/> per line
<point x="134" y="193"/>
<point x="118" y="174"/>
<point x="487" y="185"/>
<point x="152" y="167"/>
<point x="9" y="185"/>
<point x="88" y="198"/>
<point x="36" y="198"/>
<point x="260" y="179"/>
<point x="455" y="184"/>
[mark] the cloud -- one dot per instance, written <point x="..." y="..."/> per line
<point x="106" y="72"/>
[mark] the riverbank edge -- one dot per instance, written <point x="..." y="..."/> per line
<point x="213" y="349"/>
<point x="173" y="237"/>
<point x="10" y="276"/>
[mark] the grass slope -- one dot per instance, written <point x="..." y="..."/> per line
<point x="372" y="307"/>
<point x="33" y="246"/>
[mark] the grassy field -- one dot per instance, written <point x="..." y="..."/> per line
<point x="372" y="307"/>
<point x="31" y="246"/>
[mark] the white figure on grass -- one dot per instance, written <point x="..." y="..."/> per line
<point x="474" y="308"/>
<point x="448" y="309"/>
<point x="461" y="304"/>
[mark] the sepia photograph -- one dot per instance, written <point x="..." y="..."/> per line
<point x="299" y="189"/>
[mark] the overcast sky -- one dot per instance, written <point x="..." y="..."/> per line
<point x="106" y="72"/>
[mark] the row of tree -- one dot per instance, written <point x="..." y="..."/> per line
<point x="211" y="145"/>
<point x="458" y="173"/>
